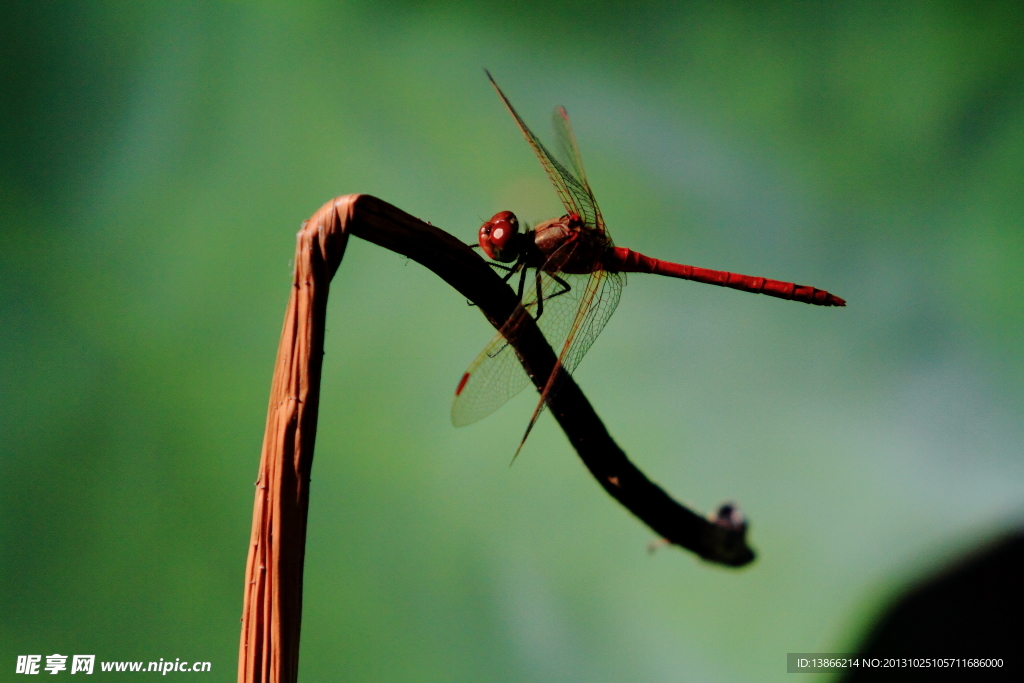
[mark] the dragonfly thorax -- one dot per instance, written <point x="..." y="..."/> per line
<point x="573" y="246"/>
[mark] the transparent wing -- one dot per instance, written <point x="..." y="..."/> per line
<point x="598" y="299"/>
<point x="572" y="189"/>
<point x="574" y="310"/>
<point x="496" y="375"/>
<point x="571" y="153"/>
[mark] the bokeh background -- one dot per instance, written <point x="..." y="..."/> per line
<point x="156" y="160"/>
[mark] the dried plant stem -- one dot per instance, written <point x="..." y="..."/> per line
<point x="272" y="606"/>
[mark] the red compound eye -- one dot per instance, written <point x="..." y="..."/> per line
<point x="497" y="237"/>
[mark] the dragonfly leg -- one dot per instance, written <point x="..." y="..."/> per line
<point x="540" y="302"/>
<point x="566" y="285"/>
<point x="540" y="296"/>
<point x="522" y="284"/>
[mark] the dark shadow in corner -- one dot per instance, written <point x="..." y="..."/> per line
<point x="973" y="608"/>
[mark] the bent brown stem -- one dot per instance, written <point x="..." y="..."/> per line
<point x="272" y="605"/>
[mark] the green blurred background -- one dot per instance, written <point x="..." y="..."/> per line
<point x="156" y="160"/>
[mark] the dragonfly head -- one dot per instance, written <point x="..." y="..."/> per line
<point x="498" y="237"/>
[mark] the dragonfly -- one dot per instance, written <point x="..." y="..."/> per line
<point x="570" y="277"/>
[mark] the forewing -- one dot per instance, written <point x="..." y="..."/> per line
<point x="598" y="299"/>
<point x="573" y="191"/>
<point x="597" y="303"/>
<point x="571" y="151"/>
<point x="496" y="375"/>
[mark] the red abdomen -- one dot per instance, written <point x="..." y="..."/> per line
<point x="625" y="260"/>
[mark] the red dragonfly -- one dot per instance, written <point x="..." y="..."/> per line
<point x="570" y="279"/>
